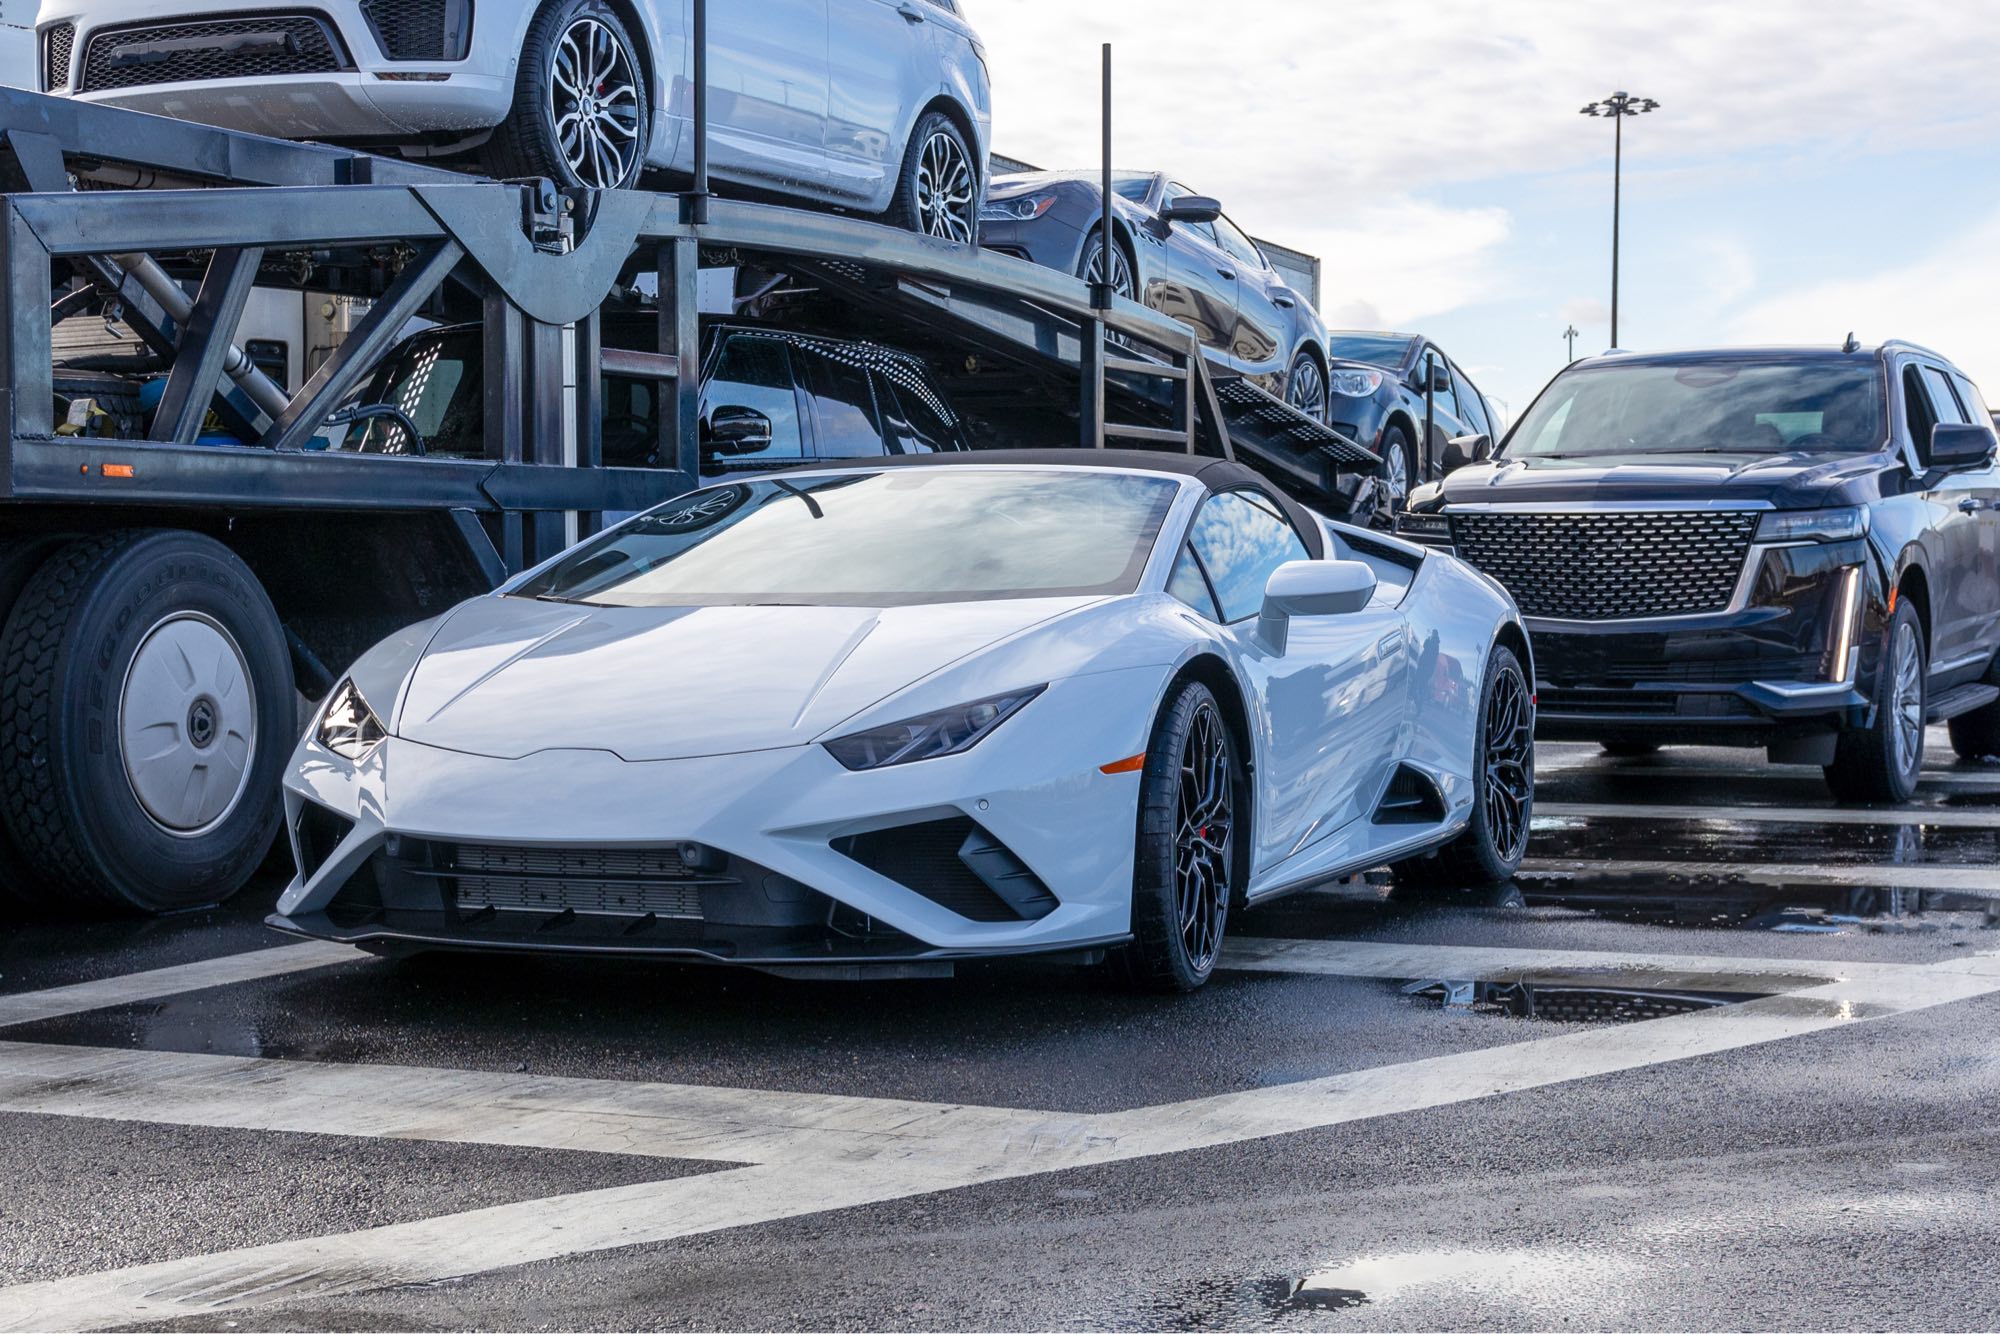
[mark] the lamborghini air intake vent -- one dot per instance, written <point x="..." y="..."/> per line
<point x="955" y="864"/>
<point x="1411" y="799"/>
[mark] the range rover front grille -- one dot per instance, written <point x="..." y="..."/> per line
<point x="56" y="44"/>
<point x="239" y="48"/>
<point x="1605" y="565"/>
<point x="421" y="29"/>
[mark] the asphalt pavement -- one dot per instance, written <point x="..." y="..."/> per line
<point x="1724" y="1056"/>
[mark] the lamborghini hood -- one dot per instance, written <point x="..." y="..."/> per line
<point x="507" y="676"/>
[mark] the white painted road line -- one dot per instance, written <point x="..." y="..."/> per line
<point x="507" y="1235"/>
<point x="1967" y="879"/>
<point x="1355" y="958"/>
<point x="129" y="988"/>
<point x="1927" y="816"/>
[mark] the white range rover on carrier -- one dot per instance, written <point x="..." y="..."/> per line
<point x="881" y="106"/>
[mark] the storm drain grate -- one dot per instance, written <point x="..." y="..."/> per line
<point x="1571" y="1003"/>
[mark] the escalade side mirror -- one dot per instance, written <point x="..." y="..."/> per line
<point x="1463" y="449"/>
<point x="1959" y="446"/>
<point x="736" y="430"/>
<point x="1190" y="208"/>
<point x="1311" y="588"/>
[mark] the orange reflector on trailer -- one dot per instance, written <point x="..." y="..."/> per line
<point x="117" y="470"/>
<point x="1131" y="764"/>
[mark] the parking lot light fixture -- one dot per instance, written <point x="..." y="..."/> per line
<point x="1617" y="107"/>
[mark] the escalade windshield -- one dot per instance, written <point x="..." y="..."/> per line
<point x="892" y="538"/>
<point x="1737" y="407"/>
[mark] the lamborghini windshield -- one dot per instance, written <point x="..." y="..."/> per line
<point x="895" y="537"/>
<point x="1706" y="407"/>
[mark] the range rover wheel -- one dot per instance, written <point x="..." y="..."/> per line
<point x="582" y="113"/>
<point x="938" y="191"/>
<point x="151" y="711"/>
<point x="1495" y="840"/>
<point x="1193" y="815"/>
<point x="1881" y="761"/>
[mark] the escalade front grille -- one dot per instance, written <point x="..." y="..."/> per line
<point x="1606" y="565"/>
<point x="244" y="48"/>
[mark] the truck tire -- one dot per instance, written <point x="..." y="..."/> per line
<point x="1880" y="762"/>
<point x="149" y="715"/>
<point x="19" y="559"/>
<point x="594" y="136"/>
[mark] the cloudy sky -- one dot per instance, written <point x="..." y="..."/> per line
<point x="1815" y="167"/>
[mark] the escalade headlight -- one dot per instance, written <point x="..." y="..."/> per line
<point x="349" y="728"/>
<point x="1839" y="525"/>
<point x="1354" y="384"/>
<point x="1433" y="529"/>
<point x="929" y="735"/>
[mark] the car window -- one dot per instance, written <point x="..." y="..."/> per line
<point x="1702" y="405"/>
<point x="630" y="427"/>
<point x="887" y="537"/>
<point x="917" y="418"/>
<point x="1190" y="585"/>
<point x="1944" y="399"/>
<point x="1918" y="414"/>
<point x="1237" y="244"/>
<point x="1974" y="401"/>
<point x="850" y="423"/>
<point x="1241" y="537"/>
<point x="756" y="373"/>
<point x="1447" y="402"/>
<point x="1384" y="350"/>
<point x="1205" y="230"/>
<point x="435" y="380"/>
<point x="1471" y="408"/>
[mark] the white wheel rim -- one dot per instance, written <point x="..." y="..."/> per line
<point x="187" y="724"/>
<point x="594" y="104"/>
<point x="945" y="189"/>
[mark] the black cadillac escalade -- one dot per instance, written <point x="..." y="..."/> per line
<point x="1794" y="548"/>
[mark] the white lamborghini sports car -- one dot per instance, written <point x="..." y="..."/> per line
<point x="894" y="715"/>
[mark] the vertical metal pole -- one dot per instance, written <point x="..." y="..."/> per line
<point x="1101" y="293"/>
<point x="1617" y="172"/>
<point x="1090" y="362"/>
<point x="679" y="263"/>
<point x="697" y="209"/>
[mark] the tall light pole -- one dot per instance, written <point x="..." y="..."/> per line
<point x="1618" y="106"/>
<point x="1570" y="335"/>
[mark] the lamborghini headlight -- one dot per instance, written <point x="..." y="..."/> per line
<point x="349" y="728"/>
<point x="930" y="735"/>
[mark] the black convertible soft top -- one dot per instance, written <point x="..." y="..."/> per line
<point x="1213" y="473"/>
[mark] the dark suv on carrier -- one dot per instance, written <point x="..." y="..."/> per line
<point x="1796" y="548"/>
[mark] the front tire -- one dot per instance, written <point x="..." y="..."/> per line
<point x="937" y="192"/>
<point x="1193" y="809"/>
<point x="1305" y="387"/>
<point x="582" y="113"/>
<point x="1880" y="762"/>
<point x="150" y="711"/>
<point x="1398" y="472"/>
<point x="1495" y="840"/>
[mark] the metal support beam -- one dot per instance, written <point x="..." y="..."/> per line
<point x="544" y="443"/>
<point x="27" y="403"/>
<point x="342" y="371"/>
<point x="506" y="340"/>
<point x="680" y="338"/>
<point x="206" y="340"/>
<point x="590" y="411"/>
<point x="1090" y="404"/>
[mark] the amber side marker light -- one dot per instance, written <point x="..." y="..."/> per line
<point x="117" y="470"/>
<point x="1131" y="764"/>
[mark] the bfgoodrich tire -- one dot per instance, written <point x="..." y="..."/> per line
<point x="1495" y="840"/>
<point x="1880" y="762"/>
<point x="582" y="112"/>
<point x="1189" y="863"/>
<point x="150" y="712"/>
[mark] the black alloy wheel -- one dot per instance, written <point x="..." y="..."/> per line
<point x="1189" y="858"/>
<point x="1398" y="472"/>
<point x="1490" y="849"/>
<point x="1305" y="388"/>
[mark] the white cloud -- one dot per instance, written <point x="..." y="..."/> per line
<point x="1340" y="128"/>
<point x="1946" y="299"/>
